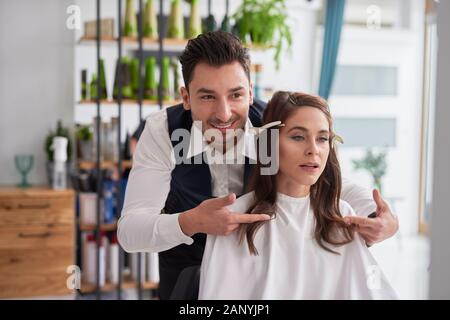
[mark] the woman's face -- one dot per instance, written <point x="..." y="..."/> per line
<point x="304" y="148"/>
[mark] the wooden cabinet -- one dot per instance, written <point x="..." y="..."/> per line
<point x="37" y="241"/>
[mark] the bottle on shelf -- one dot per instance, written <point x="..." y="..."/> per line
<point x="104" y="136"/>
<point x="195" y="21"/>
<point x="108" y="200"/>
<point x="88" y="208"/>
<point x="103" y="91"/>
<point x="122" y="75"/>
<point x="176" y="21"/>
<point x="59" y="147"/>
<point x="130" y="25"/>
<point x="96" y="137"/>
<point x="257" y="84"/>
<point x="226" y="25"/>
<point x="176" y="78"/>
<point x="90" y="260"/>
<point x="152" y="267"/>
<point x="93" y="87"/>
<point x="127" y="147"/>
<point x="165" y="78"/>
<point x="150" y="21"/>
<point x="134" y="266"/>
<point x="134" y="76"/>
<point x="112" y="143"/>
<point x="211" y="24"/>
<point x="113" y="261"/>
<point x="150" y="85"/>
<point x="83" y="84"/>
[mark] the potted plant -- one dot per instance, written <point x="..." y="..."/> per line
<point x="60" y="132"/>
<point x="85" y="142"/>
<point x="263" y="24"/>
<point x="375" y="164"/>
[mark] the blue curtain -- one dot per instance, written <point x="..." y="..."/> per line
<point x="333" y="26"/>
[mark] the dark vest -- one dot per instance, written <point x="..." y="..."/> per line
<point x="189" y="186"/>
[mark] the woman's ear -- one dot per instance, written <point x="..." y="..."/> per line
<point x="185" y="95"/>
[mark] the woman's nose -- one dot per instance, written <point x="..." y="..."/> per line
<point x="312" y="148"/>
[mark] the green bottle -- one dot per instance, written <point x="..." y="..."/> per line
<point x="93" y="87"/>
<point x="176" y="79"/>
<point x="134" y="76"/>
<point x="226" y="26"/>
<point x="83" y="84"/>
<point x="130" y="25"/>
<point x="165" y="79"/>
<point x="123" y="76"/>
<point x="103" y="91"/>
<point x="150" y="21"/>
<point x="150" y="86"/>
<point x="211" y="24"/>
<point x="195" y="21"/>
<point x="176" y="21"/>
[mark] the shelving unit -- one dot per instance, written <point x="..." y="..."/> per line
<point x="166" y="103"/>
<point x="127" y="283"/>
<point x="88" y="165"/>
<point x="133" y="44"/>
<point x="156" y="47"/>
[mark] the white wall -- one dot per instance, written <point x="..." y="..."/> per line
<point x="440" y="220"/>
<point x="36" y="80"/>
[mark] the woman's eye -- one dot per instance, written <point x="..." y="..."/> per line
<point x="323" y="139"/>
<point x="298" y="138"/>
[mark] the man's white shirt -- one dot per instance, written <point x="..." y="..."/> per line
<point x="142" y="227"/>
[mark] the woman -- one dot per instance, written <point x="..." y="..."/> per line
<point x="306" y="251"/>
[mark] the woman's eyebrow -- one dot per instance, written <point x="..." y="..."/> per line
<point x="306" y="130"/>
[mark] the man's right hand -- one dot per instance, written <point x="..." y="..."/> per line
<point x="212" y="217"/>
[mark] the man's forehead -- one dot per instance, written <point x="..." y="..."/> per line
<point x="205" y="72"/>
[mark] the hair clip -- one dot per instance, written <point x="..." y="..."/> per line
<point x="338" y="139"/>
<point x="273" y="124"/>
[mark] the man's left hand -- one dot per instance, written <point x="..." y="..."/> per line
<point x="374" y="230"/>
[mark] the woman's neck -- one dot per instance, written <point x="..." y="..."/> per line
<point x="291" y="188"/>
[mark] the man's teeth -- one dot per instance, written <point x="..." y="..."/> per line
<point x="222" y="127"/>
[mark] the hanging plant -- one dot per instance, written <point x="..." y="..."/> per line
<point x="263" y="24"/>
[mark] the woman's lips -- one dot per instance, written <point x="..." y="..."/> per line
<point x="309" y="169"/>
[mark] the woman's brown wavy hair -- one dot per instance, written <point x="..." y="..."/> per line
<point x="324" y="194"/>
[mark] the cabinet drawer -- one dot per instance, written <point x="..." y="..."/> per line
<point x="32" y="272"/>
<point x="26" y="211"/>
<point x="36" y="236"/>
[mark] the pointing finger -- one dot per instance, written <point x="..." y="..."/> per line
<point x="249" y="218"/>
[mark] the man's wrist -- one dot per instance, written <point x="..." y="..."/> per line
<point x="186" y="222"/>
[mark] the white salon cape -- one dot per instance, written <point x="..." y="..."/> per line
<point x="290" y="264"/>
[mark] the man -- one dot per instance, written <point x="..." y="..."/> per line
<point x="193" y="194"/>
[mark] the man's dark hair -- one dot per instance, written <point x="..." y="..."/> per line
<point x="216" y="48"/>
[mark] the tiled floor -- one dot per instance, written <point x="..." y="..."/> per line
<point x="405" y="262"/>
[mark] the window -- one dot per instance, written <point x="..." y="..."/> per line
<point x="353" y="80"/>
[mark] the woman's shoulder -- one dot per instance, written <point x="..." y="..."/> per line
<point x="242" y="203"/>
<point x="345" y="208"/>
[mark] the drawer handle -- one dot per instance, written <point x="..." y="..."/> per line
<point x="34" y="206"/>
<point x="34" y="235"/>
